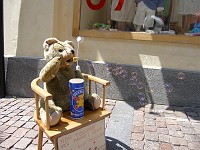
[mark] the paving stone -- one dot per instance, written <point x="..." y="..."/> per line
<point x="4" y="127"/>
<point x="171" y="121"/>
<point x="35" y="141"/>
<point x="17" y="111"/>
<point x="4" y="136"/>
<point x="192" y="138"/>
<point x="24" y="107"/>
<point x="150" y="128"/>
<point x="31" y="113"/>
<point x="178" y="141"/>
<point x="3" y="148"/>
<point x="161" y="119"/>
<point x="150" y="145"/>
<point x="15" y="118"/>
<point x="188" y="130"/>
<point x="194" y="145"/>
<point x="138" y="129"/>
<point x="180" y="147"/>
<point x="48" y="146"/>
<point x="25" y="118"/>
<point x="20" y="132"/>
<point x="19" y="123"/>
<point x="149" y="122"/>
<point x="11" y="115"/>
<point x="29" y="125"/>
<point x="23" y="113"/>
<point x="32" y="147"/>
<point x="137" y="136"/>
<point x="31" y="134"/>
<point x="138" y="123"/>
<point x="176" y="133"/>
<point x="137" y="145"/>
<point x="5" y="119"/>
<point x="162" y="131"/>
<point x="181" y="115"/>
<point x="10" y="129"/>
<point x="185" y="124"/>
<point x="8" y="143"/>
<point x="161" y="124"/>
<point x="151" y="115"/>
<point x="151" y="136"/>
<point x="13" y="108"/>
<point x="165" y="146"/>
<point x="10" y="122"/>
<point x="163" y="138"/>
<point x="23" y="143"/>
<point x="174" y="127"/>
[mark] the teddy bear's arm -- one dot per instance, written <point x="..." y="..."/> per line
<point x="78" y="74"/>
<point x="50" y="69"/>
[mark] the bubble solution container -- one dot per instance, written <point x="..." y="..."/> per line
<point x="76" y="87"/>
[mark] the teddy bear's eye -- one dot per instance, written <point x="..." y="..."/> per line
<point x="60" y="50"/>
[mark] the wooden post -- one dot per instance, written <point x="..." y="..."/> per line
<point x="2" y="69"/>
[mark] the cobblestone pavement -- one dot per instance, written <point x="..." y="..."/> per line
<point x="155" y="127"/>
<point x="166" y="128"/>
<point x="18" y="131"/>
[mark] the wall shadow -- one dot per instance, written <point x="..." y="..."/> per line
<point x="141" y="86"/>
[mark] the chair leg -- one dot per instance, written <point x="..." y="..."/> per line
<point x="56" y="144"/>
<point x="40" y="139"/>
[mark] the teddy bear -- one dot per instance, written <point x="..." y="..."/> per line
<point x="56" y="75"/>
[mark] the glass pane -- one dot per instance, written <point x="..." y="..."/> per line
<point x="152" y="16"/>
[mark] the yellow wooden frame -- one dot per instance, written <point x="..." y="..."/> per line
<point x="128" y="35"/>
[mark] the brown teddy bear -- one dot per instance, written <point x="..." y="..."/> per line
<point x="56" y="75"/>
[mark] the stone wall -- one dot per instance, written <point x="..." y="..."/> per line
<point x="128" y="82"/>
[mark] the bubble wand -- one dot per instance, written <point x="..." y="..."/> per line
<point x="76" y="58"/>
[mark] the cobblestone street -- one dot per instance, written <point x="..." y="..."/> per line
<point x="166" y="128"/>
<point x="155" y="127"/>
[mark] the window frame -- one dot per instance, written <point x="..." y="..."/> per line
<point x="124" y="35"/>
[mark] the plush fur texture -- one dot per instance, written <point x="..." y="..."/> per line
<point x="56" y="75"/>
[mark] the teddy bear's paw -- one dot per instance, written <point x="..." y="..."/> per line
<point x="97" y="100"/>
<point x="58" y="109"/>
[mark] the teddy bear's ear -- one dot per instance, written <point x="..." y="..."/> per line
<point x="49" y="42"/>
<point x="70" y="43"/>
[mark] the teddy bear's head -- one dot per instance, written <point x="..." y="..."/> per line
<point x="55" y="48"/>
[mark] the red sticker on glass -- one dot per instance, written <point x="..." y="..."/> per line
<point x="97" y="6"/>
<point x="119" y="5"/>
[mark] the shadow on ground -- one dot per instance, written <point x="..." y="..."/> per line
<point x="114" y="144"/>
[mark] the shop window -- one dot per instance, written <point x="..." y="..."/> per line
<point x="167" y="20"/>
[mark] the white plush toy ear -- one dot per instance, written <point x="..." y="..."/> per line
<point x="70" y="43"/>
<point x="49" y="42"/>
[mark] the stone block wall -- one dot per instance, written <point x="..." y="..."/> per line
<point x="128" y="82"/>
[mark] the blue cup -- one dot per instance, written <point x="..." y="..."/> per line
<point x="76" y="87"/>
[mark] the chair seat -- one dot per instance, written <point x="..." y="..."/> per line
<point x="67" y="124"/>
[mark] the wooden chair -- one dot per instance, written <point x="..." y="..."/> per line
<point x="67" y="125"/>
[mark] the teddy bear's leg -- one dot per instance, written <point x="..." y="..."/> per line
<point x="55" y="112"/>
<point x="54" y="116"/>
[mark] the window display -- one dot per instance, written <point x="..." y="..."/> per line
<point x="177" y="16"/>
